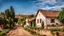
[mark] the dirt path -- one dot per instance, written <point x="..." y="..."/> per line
<point x="19" y="31"/>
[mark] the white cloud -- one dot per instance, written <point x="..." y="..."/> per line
<point x="56" y="7"/>
<point x="47" y="8"/>
<point x="51" y="1"/>
<point x="43" y="2"/>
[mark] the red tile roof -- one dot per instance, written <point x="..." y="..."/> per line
<point x="31" y="19"/>
<point x="49" y="13"/>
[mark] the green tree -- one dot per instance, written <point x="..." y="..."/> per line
<point x="61" y="16"/>
<point x="31" y="15"/>
<point x="12" y="16"/>
<point x="7" y="14"/>
<point x="23" y="21"/>
<point x="12" y="12"/>
<point x="8" y="17"/>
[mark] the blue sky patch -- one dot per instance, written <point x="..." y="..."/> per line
<point x="31" y="6"/>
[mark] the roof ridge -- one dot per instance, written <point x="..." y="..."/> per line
<point x="48" y="10"/>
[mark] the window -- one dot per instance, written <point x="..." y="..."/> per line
<point x="40" y="20"/>
<point x="37" y="20"/>
<point x="52" y="20"/>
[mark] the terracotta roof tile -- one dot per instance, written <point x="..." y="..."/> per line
<point x="49" y="13"/>
<point x="31" y="19"/>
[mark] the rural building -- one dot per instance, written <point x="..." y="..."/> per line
<point x="49" y="17"/>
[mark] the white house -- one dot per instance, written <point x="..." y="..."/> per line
<point x="46" y="16"/>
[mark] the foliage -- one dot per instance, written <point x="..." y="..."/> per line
<point x="1" y="21"/>
<point x="9" y="17"/>
<point x="2" y="33"/>
<point x="31" y="15"/>
<point x="61" y="16"/>
<point x="30" y="30"/>
<point x="42" y="24"/>
<point x="16" y="20"/>
<point x="56" y="29"/>
<point x="23" y="21"/>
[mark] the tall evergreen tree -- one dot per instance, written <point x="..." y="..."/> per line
<point x="12" y="12"/>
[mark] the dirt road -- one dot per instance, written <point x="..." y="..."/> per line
<point x="19" y="31"/>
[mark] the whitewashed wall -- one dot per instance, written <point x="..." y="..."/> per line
<point x="48" y="21"/>
<point x="40" y="16"/>
<point x="27" y="23"/>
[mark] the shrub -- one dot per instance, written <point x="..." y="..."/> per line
<point x="31" y="31"/>
<point x="42" y="24"/>
<point x="25" y="28"/>
<point x="55" y="29"/>
<point x="4" y="32"/>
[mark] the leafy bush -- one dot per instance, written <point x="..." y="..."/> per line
<point x="4" y="32"/>
<point x="26" y="29"/>
<point x="32" y="32"/>
<point x="42" y="24"/>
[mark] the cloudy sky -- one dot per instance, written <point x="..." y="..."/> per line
<point x="31" y="6"/>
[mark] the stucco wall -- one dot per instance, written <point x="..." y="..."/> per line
<point x="48" y="21"/>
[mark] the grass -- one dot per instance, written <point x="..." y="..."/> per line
<point x="2" y="33"/>
<point x="56" y="29"/>
<point x="35" y="28"/>
<point x="30" y="30"/>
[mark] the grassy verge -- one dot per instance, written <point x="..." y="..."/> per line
<point x="30" y="30"/>
<point x="33" y="32"/>
<point x="56" y="29"/>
